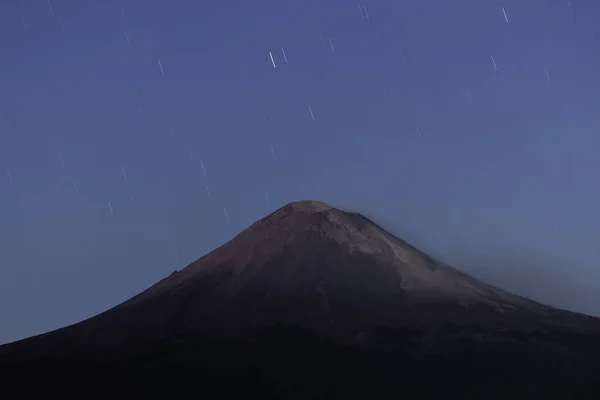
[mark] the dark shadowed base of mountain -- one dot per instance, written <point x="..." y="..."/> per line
<point x="290" y="363"/>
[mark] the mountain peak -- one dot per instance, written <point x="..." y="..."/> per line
<point x="302" y="207"/>
<point x="308" y="206"/>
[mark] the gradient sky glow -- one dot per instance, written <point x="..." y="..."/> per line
<point x="493" y="170"/>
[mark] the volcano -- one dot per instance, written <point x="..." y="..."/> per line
<point x="315" y="302"/>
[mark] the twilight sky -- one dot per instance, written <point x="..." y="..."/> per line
<point x="471" y="134"/>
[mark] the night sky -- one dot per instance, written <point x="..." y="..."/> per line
<point x="135" y="136"/>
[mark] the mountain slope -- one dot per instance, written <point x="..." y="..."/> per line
<point x="313" y="276"/>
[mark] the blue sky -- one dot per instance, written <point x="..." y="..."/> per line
<point x="472" y="137"/>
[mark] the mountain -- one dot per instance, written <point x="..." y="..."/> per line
<point x="315" y="302"/>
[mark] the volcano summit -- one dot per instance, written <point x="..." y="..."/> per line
<point x="315" y="302"/>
